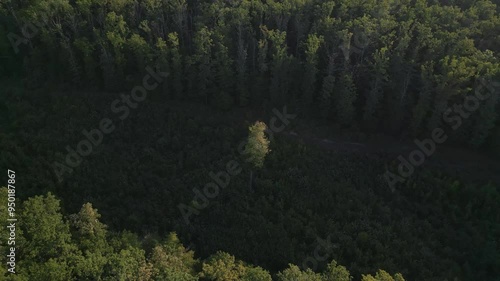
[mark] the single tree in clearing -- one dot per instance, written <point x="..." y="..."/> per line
<point x="257" y="147"/>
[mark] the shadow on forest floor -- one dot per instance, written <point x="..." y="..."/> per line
<point x="465" y="163"/>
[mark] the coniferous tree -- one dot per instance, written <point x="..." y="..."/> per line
<point x="223" y="75"/>
<point x="241" y="72"/>
<point x="312" y="46"/>
<point x="262" y="64"/>
<point x="279" y="67"/>
<point x="201" y="62"/>
<point x="176" y="68"/>
<point x="421" y="110"/>
<point x="375" y="94"/>
<point x="455" y="72"/>
<point x="163" y="64"/>
<point x="141" y="51"/>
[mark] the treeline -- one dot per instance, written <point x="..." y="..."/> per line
<point x="51" y="246"/>
<point x="382" y="66"/>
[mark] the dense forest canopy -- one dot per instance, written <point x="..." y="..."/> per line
<point x="79" y="247"/>
<point x="392" y="65"/>
<point x="218" y="73"/>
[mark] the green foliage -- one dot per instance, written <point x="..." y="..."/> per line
<point x="254" y="51"/>
<point x="88" y="227"/>
<point x="90" y="236"/>
<point x="140" y="49"/>
<point x="222" y="267"/>
<point x="128" y="264"/>
<point x="421" y="110"/>
<point x="176" y="64"/>
<point x="201" y="62"/>
<point x="393" y="66"/>
<point x="293" y="273"/>
<point x="256" y="274"/>
<point x="280" y="66"/>
<point x="381" y="275"/>
<point x="375" y="94"/>
<point x="257" y="146"/>
<point x="335" y="272"/>
<point x="172" y="256"/>
<point x="45" y="232"/>
<point x="312" y="46"/>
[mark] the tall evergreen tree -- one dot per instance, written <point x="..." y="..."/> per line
<point x="375" y="94"/>
<point x="309" y="82"/>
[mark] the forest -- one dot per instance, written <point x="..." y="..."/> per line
<point x="251" y="139"/>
